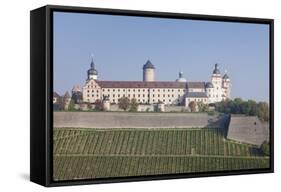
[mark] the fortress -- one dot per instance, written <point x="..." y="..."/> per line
<point x="149" y="91"/>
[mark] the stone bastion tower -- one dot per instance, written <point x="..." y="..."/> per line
<point x="148" y="71"/>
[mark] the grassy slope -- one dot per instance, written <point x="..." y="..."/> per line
<point x="95" y="153"/>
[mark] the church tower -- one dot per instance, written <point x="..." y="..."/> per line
<point x="148" y="71"/>
<point x="92" y="72"/>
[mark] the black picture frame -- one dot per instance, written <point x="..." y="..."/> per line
<point x="41" y="83"/>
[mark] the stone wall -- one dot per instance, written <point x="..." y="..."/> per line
<point x="136" y="120"/>
<point x="247" y="129"/>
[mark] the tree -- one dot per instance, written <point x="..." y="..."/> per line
<point x="202" y="107"/>
<point x="263" y="111"/>
<point x="192" y="106"/>
<point x="265" y="148"/>
<point x="98" y="105"/>
<point x="124" y="103"/>
<point x="71" y="105"/>
<point x="134" y="105"/>
<point x="253" y="107"/>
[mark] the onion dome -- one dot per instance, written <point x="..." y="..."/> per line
<point x="92" y="70"/>
<point x="209" y="85"/>
<point x="181" y="78"/>
<point x="148" y="65"/>
<point x="216" y="70"/>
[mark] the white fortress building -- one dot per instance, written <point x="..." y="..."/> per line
<point x="149" y="91"/>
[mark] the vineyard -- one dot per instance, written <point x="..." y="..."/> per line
<point x="100" y="153"/>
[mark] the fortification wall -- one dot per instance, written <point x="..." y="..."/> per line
<point x="247" y="129"/>
<point x="136" y="120"/>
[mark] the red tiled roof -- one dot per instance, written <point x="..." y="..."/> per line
<point x="141" y="84"/>
<point x="198" y="85"/>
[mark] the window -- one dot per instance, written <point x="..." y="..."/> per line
<point x="168" y="90"/>
<point x="158" y="95"/>
<point x="92" y="95"/>
<point x="88" y="91"/>
<point x="124" y="90"/>
<point x="108" y="90"/>
<point x="153" y="95"/>
<point x="92" y="91"/>
<point x="118" y="95"/>
<point x="113" y="95"/>
<point x="113" y="90"/>
<point x="168" y="95"/>
<point x="118" y="90"/>
<point x="97" y="95"/>
<point x="133" y="90"/>
<point x="143" y="95"/>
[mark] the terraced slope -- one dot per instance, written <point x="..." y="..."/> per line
<point x="98" y="153"/>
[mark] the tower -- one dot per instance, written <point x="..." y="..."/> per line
<point x="148" y="71"/>
<point x="92" y="72"/>
<point x="216" y="80"/>
<point x="226" y="86"/>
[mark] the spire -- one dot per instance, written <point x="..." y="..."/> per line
<point x="92" y="62"/>
<point x="216" y="70"/>
<point x="92" y="72"/>
<point x="180" y="74"/>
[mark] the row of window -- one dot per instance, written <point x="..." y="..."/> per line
<point x="197" y="100"/>
<point x="138" y="90"/>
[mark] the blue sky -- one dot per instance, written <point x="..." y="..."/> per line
<point x="122" y="44"/>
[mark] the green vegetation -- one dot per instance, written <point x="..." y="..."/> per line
<point x="265" y="148"/>
<point x="71" y="105"/>
<point x="250" y="107"/>
<point x="124" y="103"/>
<point x="97" y="153"/>
<point x="133" y="105"/>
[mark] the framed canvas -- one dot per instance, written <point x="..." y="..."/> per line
<point x="123" y="95"/>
